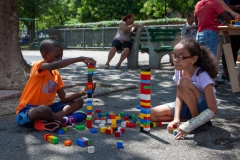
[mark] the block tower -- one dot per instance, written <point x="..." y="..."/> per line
<point x="145" y="100"/>
<point x="89" y="96"/>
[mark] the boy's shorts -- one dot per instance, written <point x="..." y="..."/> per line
<point x="185" y="113"/>
<point x="120" y="46"/>
<point x="23" y="120"/>
<point x="209" y="39"/>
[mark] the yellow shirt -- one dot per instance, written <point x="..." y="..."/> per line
<point x="41" y="88"/>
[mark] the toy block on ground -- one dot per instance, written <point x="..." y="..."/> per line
<point x="60" y="131"/>
<point x="93" y="130"/>
<point x="83" y="142"/>
<point x="120" y="144"/>
<point x="123" y="124"/>
<point x="122" y="114"/>
<point x="51" y="138"/>
<point x="175" y="131"/>
<point x="103" y="129"/>
<point x="109" y="130"/>
<point x="98" y="110"/>
<point x="131" y="125"/>
<point x="65" y="129"/>
<point x="118" y="134"/>
<point x="80" y="127"/>
<point x="67" y="143"/>
<point x="91" y="149"/>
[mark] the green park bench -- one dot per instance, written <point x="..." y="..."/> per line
<point x="159" y="44"/>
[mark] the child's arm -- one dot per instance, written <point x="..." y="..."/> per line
<point x="70" y="97"/>
<point x="176" y="120"/>
<point x="65" y="62"/>
<point x="203" y="117"/>
<point x="226" y="8"/>
<point x="225" y="16"/>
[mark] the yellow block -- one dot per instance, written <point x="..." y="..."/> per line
<point x="117" y="117"/>
<point x="145" y="104"/>
<point x="50" y="138"/>
<point x="89" y="107"/>
<point x="145" y="73"/>
<point x="103" y="129"/>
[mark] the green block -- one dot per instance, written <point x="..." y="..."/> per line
<point x="147" y="123"/>
<point x="89" y="119"/>
<point x="138" y="122"/>
<point x="147" y="87"/>
<point x="65" y="129"/>
<point x="55" y="140"/>
<point x="122" y="114"/>
<point x="133" y="117"/>
<point x="80" y="127"/>
<point x="89" y="142"/>
<point x="104" y="114"/>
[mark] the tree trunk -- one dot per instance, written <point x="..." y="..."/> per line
<point x="14" y="71"/>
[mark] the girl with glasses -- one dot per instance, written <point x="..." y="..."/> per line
<point x="196" y="103"/>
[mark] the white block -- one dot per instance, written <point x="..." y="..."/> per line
<point x="97" y="121"/>
<point x="123" y="124"/>
<point x="145" y="96"/>
<point x="109" y="121"/>
<point x="101" y="125"/>
<point x="103" y="122"/>
<point x="91" y="149"/>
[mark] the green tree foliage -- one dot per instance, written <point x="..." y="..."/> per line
<point x="154" y="8"/>
<point x="99" y="10"/>
<point x="182" y="6"/>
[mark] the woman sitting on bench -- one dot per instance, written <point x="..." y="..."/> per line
<point x="122" y="40"/>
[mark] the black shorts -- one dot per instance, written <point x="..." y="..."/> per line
<point x="120" y="46"/>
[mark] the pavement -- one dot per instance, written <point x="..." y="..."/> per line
<point x="118" y="90"/>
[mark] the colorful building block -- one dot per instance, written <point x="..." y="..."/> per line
<point x="120" y="144"/>
<point x="80" y="127"/>
<point x="91" y="149"/>
<point x="93" y="130"/>
<point x="67" y="143"/>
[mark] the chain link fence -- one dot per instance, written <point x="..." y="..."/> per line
<point x="75" y="38"/>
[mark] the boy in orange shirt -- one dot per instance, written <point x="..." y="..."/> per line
<point x="36" y="107"/>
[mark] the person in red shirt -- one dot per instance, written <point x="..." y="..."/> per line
<point x="36" y="108"/>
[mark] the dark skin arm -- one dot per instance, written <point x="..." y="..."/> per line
<point x="65" y="62"/>
<point x="70" y="97"/>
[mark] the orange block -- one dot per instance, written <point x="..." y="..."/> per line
<point x="67" y="143"/>
<point x="46" y="136"/>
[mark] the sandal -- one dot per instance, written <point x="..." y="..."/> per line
<point x="117" y="67"/>
<point x="106" y="66"/>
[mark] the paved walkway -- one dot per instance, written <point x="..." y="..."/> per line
<point x="117" y="91"/>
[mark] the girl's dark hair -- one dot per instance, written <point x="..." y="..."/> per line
<point x="48" y="45"/>
<point x="189" y="15"/>
<point x="206" y="60"/>
<point x="127" y="16"/>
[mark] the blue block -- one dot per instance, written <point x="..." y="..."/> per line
<point x="89" y="91"/>
<point x="175" y="132"/>
<point x="89" y="103"/>
<point x="145" y="81"/>
<point x="93" y="130"/>
<point x="138" y="107"/>
<point x="119" y="121"/>
<point x="145" y="111"/>
<point x="99" y="114"/>
<point x="60" y="131"/>
<point x="80" y="142"/>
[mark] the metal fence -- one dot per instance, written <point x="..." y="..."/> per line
<point x="75" y="38"/>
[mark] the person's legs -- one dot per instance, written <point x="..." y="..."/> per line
<point x="116" y="45"/>
<point x="189" y="94"/>
<point x="161" y="113"/>
<point x="124" y="54"/>
<point x="127" y="46"/>
<point x="111" y="54"/>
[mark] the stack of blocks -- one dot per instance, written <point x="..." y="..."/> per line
<point x="83" y="142"/>
<point x="51" y="138"/>
<point x="89" y="96"/>
<point x="145" y="100"/>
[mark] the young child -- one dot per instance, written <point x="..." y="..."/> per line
<point x="36" y="107"/>
<point x="195" y="100"/>
<point x="190" y="28"/>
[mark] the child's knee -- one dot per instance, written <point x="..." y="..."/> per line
<point x="79" y="103"/>
<point x="183" y="83"/>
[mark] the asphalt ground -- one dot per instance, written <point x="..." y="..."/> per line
<point x="118" y="91"/>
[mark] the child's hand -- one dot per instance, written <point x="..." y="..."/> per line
<point x="85" y="90"/>
<point x="173" y="125"/>
<point x="89" y="60"/>
<point x="180" y="134"/>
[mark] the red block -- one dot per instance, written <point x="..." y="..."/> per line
<point x="131" y="125"/>
<point x="147" y="107"/>
<point x="143" y="90"/>
<point x="122" y="130"/>
<point x="46" y="136"/>
<point x="174" y="127"/>
<point x="98" y="110"/>
<point x="159" y="124"/>
<point x="117" y="134"/>
<point x="147" y="118"/>
<point x="145" y="101"/>
<point x="126" y="118"/>
<point x="145" y="77"/>
<point x="64" y="125"/>
<point x="96" y="118"/>
<point x="108" y="131"/>
<point x="89" y="83"/>
<point x="89" y="124"/>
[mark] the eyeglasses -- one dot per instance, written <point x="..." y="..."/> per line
<point x="180" y="57"/>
